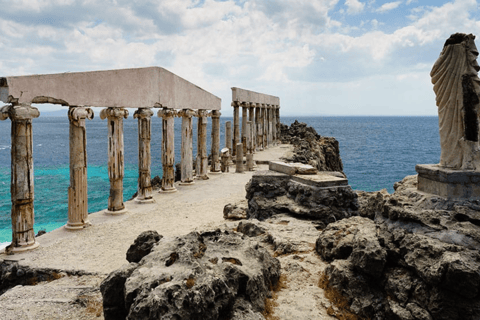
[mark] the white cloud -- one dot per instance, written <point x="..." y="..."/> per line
<point x="388" y="6"/>
<point x="354" y="6"/>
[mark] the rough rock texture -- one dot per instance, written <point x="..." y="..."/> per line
<point x="142" y="245"/>
<point x="196" y="276"/>
<point x="13" y="274"/>
<point x="236" y="211"/>
<point x="270" y="195"/>
<point x="310" y="148"/>
<point x="411" y="256"/>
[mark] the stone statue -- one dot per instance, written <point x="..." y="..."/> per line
<point x="456" y="85"/>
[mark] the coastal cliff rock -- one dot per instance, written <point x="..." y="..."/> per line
<point x="209" y="275"/>
<point x="310" y="148"/>
<point x="410" y="256"/>
<point x="269" y="194"/>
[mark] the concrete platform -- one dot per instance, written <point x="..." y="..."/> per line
<point x="448" y="183"/>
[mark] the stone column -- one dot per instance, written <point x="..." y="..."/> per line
<point x="215" y="166"/>
<point x="187" y="149"/>
<point x="260" y="128"/>
<point x="144" y="189"/>
<point x="274" y="125"/>
<point x="269" y="124"/>
<point x="77" y="192"/>
<point x="239" y="158"/>
<point x="256" y="125"/>
<point x="244" y="127"/>
<point x="168" y="149"/>
<point x="265" y="126"/>
<point x="278" y="121"/>
<point x="236" y="127"/>
<point x="202" y="157"/>
<point x="251" y="118"/>
<point x="115" y="157"/>
<point x="21" y="187"/>
<point x="228" y="139"/>
<point x="249" y="155"/>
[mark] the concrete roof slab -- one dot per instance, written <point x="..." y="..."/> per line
<point x="127" y="88"/>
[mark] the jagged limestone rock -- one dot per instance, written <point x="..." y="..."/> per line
<point x="196" y="276"/>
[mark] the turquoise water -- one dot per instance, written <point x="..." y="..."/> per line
<point x="376" y="152"/>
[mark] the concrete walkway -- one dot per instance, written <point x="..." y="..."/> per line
<point x="102" y="247"/>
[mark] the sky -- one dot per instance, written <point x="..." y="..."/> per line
<point x="321" y="57"/>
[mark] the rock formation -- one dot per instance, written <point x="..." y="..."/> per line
<point x="310" y="148"/>
<point x="269" y="194"/>
<point x="411" y="256"/>
<point x="209" y="275"/>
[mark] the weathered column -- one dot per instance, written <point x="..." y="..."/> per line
<point x="215" y="166"/>
<point x="115" y="157"/>
<point x="249" y="155"/>
<point x="144" y="189"/>
<point x="265" y="126"/>
<point x="239" y="158"/>
<point x="260" y="128"/>
<point x="187" y="149"/>
<point x="269" y="123"/>
<point x="236" y="127"/>
<point x="277" y="110"/>
<point x="77" y="192"/>
<point x="228" y="139"/>
<point x="244" y="127"/>
<point x="202" y="157"/>
<point x="256" y="125"/>
<point x="21" y="181"/>
<point x="168" y="149"/>
<point x="251" y="118"/>
<point x="274" y="125"/>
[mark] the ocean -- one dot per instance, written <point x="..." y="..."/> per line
<point x="376" y="152"/>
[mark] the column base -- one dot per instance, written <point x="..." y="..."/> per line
<point x="170" y="190"/>
<point x="215" y="172"/>
<point x="186" y="183"/>
<point x="77" y="226"/>
<point x="205" y="177"/>
<point x="115" y="213"/>
<point x="21" y="249"/>
<point x="151" y="200"/>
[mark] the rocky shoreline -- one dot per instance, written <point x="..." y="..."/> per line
<point x="303" y="251"/>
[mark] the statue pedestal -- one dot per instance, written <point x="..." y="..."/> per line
<point x="448" y="183"/>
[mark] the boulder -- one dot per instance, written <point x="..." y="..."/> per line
<point x="142" y="245"/>
<point x="411" y="255"/>
<point x="235" y="211"/>
<point x="209" y="275"/>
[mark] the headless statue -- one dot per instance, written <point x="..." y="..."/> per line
<point x="456" y="85"/>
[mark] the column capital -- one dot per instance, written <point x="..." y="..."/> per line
<point x="166" y="113"/>
<point x="20" y="112"/>
<point x="216" y="114"/>
<point x="77" y="114"/>
<point x="143" y="113"/>
<point x="186" y="113"/>
<point x="203" y="113"/>
<point x="235" y="104"/>
<point x="113" y="113"/>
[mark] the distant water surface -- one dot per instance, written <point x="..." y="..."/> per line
<point x="376" y="152"/>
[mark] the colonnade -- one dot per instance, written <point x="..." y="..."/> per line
<point x="110" y="90"/>
<point x="260" y="121"/>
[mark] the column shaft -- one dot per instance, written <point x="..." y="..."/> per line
<point x="202" y="157"/>
<point x="115" y="118"/>
<point x="265" y="127"/>
<point x="187" y="148"/>
<point x="144" y="189"/>
<point x="77" y="192"/>
<point x="249" y="155"/>
<point x="236" y="127"/>
<point x="215" y="167"/>
<point x="239" y="159"/>
<point x="274" y="125"/>
<point x="21" y="188"/>
<point x="244" y="127"/>
<point x="251" y="118"/>
<point x="168" y="149"/>
<point x="228" y="137"/>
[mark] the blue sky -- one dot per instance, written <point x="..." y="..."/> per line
<point x="323" y="57"/>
